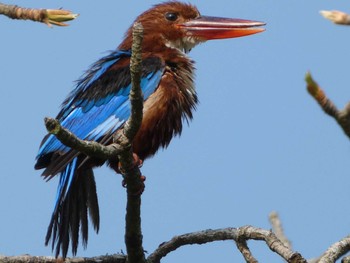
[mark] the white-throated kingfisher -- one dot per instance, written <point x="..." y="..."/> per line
<point x="99" y="106"/>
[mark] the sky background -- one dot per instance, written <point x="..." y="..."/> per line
<point x="258" y="142"/>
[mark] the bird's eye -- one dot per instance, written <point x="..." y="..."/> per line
<point x="171" y="16"/>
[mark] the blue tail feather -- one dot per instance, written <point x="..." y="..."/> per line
<point x="65" y="182"/>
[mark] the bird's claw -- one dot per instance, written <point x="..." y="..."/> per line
<point x="142" y="177"/>
<point x="137" y="162"/>
<point x="142" y="187"/>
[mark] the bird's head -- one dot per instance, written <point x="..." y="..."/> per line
<point x="178" y="25"/>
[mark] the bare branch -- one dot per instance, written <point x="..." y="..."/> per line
<point x="337" y="17"/>
<point x="116" y="258"/>
<point x="342" y="117"/>
<point x="278" y="229"/>
<point x="90" y="148"/>
<point x="241" y="234"/>
<point x="335" y="251"/>
<point x="136" y="98"/>
<point x="245" y="251"/>
<point x="130" y="171"/>
<point x="48" y="16"/>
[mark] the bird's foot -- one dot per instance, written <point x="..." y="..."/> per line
<point x="142" y="185"/>
<point x="137" y="162"/>
<point x="142" y="177"/>
<point x="117" y="167"/>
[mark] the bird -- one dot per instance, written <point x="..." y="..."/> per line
<point x="99" y="106"/>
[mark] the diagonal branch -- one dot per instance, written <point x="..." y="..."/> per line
<point x="245" y="251"/>
<point x="240" y="235"/>
<point x="337" y="17"/>
<point x="278" y="229"/>
<point x="90" y="148"/>
<point x="341" y="116"/>
<point x="47" y="16"/>
<point x="335" y="251"/>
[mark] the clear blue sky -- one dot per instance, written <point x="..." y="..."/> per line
<point x="258" y="142"/>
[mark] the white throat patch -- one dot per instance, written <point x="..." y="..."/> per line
<point x="184" y="44"/>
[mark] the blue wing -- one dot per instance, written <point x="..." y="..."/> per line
<point x="100" y="103"/>
<point x="94" y="110"/>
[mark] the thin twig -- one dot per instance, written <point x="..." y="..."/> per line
<point x="90" y="148"/>
<point x="278" y="229"/>
<point x="47" y="16"/>
<point x="245" y="251"/>
<point x="341" y="116"/>
<point x="337" y="17"/>
<point x="236" y="234"/>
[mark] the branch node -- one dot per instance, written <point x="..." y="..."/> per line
<point x="47" y="16"/>
<point x="52" y="125"/>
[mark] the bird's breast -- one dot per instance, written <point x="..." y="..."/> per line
<point x="164" y="111"/>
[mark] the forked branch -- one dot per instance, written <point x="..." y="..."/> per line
<point x="341" y="116"/>
<point x="239" y="235"/>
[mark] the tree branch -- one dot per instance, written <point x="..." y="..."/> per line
<point x="130" y="171"/>
<point x="116" y="258"/>
<point x="337" y="17"/>
<point x="47" y="16"/>
<point x="341" y="116"/>
<point x="245" y="251"/>
<point x="90" y="148"/>
<point x="278" y="229"/>
<point x="240" y="235"/>
<point x="335" y="251"/>
<point x="136" y="98"/>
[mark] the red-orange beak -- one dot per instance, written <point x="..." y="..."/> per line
<point x="207" y="27"/>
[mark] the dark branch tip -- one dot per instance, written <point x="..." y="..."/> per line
<point x="137" y="28"/>
<point x="52" y="125"/>
<point x="312" y="86"/>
